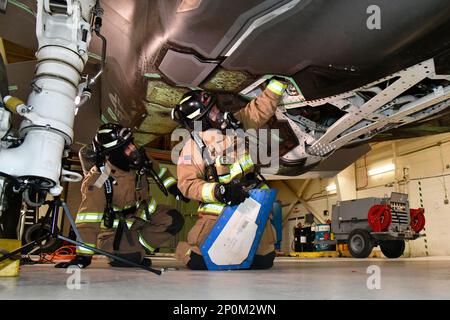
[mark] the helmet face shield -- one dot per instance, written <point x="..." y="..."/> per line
<point x="134" y="156"/>
<point x="216" y="118"/>
<point x="127" y="157"/>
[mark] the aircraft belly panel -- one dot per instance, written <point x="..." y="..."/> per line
<point x="327" y="47"/>
<point x="210" y="28"/>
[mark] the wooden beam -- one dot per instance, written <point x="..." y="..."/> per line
<point x="161" y="155"/>
<point x="304" y="203"/>
<point x="3" y="51"/>
<point x="298" y="194"/>
<point x="303" y="187"/>
<point x="289" y="211"/>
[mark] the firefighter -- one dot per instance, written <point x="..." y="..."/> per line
<point x="224" y="178"/>
<point x="117" y="212"/>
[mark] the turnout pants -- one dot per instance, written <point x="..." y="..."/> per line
<point x="163" y="224"/>
<point x="189" y="251"/>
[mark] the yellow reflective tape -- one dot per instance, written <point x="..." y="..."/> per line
<point x="247" y="167"/>
<point x="208" y="192"/>
<point x="83" y="250"/>
<point x="115" y="208"/>
<point x="90" y="217"/>
<point x="152" y="205"/>
<point x="116" y="223"/>
<point x="144" y="243"/>
<point x="246" y="159"/>
<point x="169" y="181"/>
<point x="225" y="178"/>
<point x="215" y="208"/>
<point x="162" y="171"/>
<point x="235" y="170"/>
<point x="277" y="87"/>
<point x="246" y="163"/>
<point x="151" y="209"/>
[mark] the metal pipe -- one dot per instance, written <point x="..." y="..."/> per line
<point x="110" y="255"/>
<point x="71" y="220"/>
<point x="86" y="95"/>
<point x="102" y="67"/>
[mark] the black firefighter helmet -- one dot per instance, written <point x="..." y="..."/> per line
<point x="111" y="136"/>
<point x="194" y="105"/>
<point x="110" y="141"/>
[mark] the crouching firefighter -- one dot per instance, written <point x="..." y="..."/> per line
<point x="211" y="171"/>
<point x="117" y="212"/>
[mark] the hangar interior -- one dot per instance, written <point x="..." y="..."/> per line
<point x="356" y="199"/>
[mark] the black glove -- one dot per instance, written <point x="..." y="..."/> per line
<point x="173" y="190"/>
<point x="230" y="194"/>
<point x="80" y="261"/>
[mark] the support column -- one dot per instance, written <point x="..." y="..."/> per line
<point x="346" y="183"/>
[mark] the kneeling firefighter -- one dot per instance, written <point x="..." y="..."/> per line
<point x="117" y="212"/>
<point x="211" y="171"/>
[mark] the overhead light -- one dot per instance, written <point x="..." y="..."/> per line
<point x="188" y="5"/>
<point x="77" y="100"/>
<point x="379" y="170"/>
<point x="331" y="187"/>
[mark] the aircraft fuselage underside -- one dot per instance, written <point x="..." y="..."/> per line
<point x="404" y="97"/>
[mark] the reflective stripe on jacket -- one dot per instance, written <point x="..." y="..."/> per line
<point x="126" y="194"/>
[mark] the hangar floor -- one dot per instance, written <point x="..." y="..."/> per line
<point x="291" y="278"/>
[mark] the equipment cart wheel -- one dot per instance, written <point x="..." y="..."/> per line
<point x="392" y="248"/>
<point x="38" y="230"/>
<point x="360" y="243"/>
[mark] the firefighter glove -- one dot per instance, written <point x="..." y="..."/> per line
<point x="231" y="194"/>
<point x="173" y="190"/>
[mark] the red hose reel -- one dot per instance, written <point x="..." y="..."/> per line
<point x="417" y="219"/>
<point x="380" y="217"/>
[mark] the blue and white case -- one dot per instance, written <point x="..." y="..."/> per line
<point x="266" y="198"/>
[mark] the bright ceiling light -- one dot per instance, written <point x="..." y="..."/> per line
<point x="379" y="170"/>
<point x="77" y="100"/>
<point x="331" y="187"/>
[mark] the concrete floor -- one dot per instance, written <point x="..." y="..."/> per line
<point x="291" y="278"/>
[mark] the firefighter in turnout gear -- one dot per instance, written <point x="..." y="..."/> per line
<point x="210" y="169"/>
<point x="117" y="212"/>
